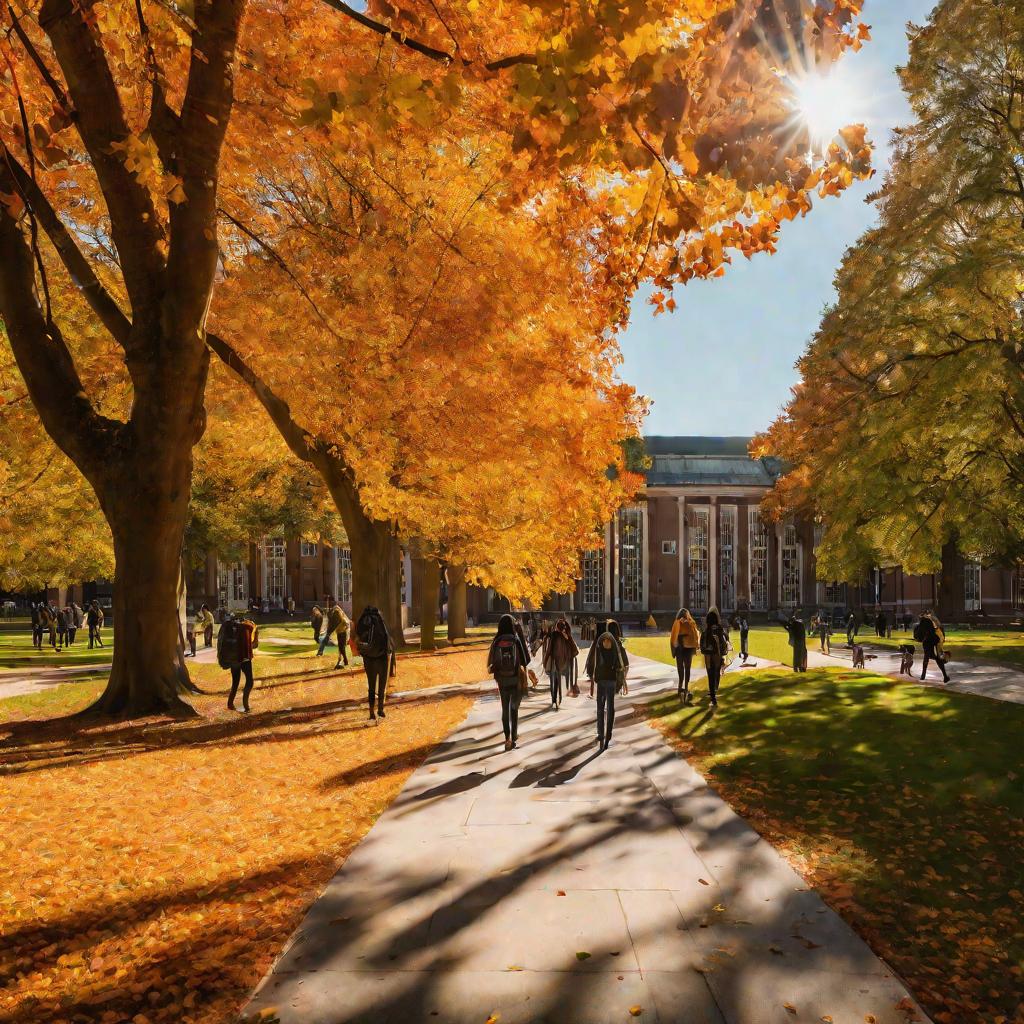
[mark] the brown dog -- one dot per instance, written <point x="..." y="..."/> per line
<point x="906" y="659"/>
<point x="858" y="656"/>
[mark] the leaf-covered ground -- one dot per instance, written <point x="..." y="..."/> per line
<point x="151" y="871"/>
<point x="902" y="804"/>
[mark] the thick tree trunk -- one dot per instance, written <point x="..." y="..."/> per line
<point x="431" y="577"/>
<point x="950" y="607"/>
<point x="456" y="603"/>
<point x="146" y="512"/>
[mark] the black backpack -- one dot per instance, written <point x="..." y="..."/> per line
<point x="229" y="643"/>
<point x="921" y="631"/>
<point x="371" y="636"/>
<point x="506" y="657"/>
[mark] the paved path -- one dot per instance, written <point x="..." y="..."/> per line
<point x="997" y="682"/>
<point x="476" y="894"/>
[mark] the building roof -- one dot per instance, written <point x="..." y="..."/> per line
<point x="707" y="462"/>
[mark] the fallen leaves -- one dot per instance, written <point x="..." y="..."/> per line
<point x="582" y="956"/>
<point x="160" y="879"/>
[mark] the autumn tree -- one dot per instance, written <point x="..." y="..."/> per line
<point x="114" y="118"/>
<point x="906" y="431"/>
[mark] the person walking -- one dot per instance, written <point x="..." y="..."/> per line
<point x="797" y="631"/>
<point x="94" y="620"/>
<point x="714" y="646"/>
<point x="824" y="631"/>
<point x="316" y="620"/>
<point x="506" y="661"/>
<point x="37" y="626"/>
<point x="377" y="650"/>
<point x="607" y="665"/>
<point x="851" y="629"/>
<point x="338" y="626"/>
<point x="683" y="644"/>
<point x="908" y="620"/>
<point x="76" y="620"/>
<point x="62" y="628"/>
<point x="932" y="637"/>
<point x="236" y="641"/>
<point x="559" y="659"/>
<point x="744" y="627"/>
<point x="205" y="624"/>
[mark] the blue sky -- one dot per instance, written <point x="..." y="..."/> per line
<point x="723" y="362"/>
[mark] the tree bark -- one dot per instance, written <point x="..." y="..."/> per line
<point x="431" y="576"/>
<point x="456" y="603"/>
<point x="949" y="607"/>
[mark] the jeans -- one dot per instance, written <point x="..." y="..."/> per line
<point x="236" y="676"/>
<point x="376" y="679"/>
<point x="744" y="650"/>
<point x="605" y="710"/>
<point x="510" y="698"/>
<point x="684" y="661"/>
<point x="714" y="669"/>
<point x="557" y="676"/>
<point x="208" y="636"/>
<point x="342" y="648"/>
<point x="72" y="630"/>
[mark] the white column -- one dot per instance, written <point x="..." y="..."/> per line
<point x="713" y="552"/>
<point x="779" y="534"/>
<point x="681" y="502"/>
<point x="644" y="555"/>
<point x="613" y="565"/>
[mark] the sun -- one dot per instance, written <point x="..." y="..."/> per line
<point x="825" y="101"/>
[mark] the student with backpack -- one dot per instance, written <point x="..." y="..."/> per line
<point x="559" y="659"/>
<point x="683" y="644"/>
<point x="339" y="626"/>
<point x="607" y="665"/>
<point x="714" y="646"/>
<point x="316" y="620"/>
<point x="930" y="633"/>
<point x="373" y="641"/>
<point x="236" y="641"/>
<point x="507" y="661"/>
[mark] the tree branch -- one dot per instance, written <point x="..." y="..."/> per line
<point x="433" y="52"/>
<point x="99" y="299"/>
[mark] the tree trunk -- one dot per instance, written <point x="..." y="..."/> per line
<point x="456" y="603"/>
<point x="949" y="607"/>
<point x="431" y="577"/>
<point x="147" y="513"/>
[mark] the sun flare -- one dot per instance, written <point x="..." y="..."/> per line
<point x="825" y="101"/>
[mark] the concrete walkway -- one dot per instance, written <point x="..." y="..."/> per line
<point x="556" y="884"/>
<point x="984" y="679"/>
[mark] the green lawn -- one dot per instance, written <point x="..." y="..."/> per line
<point x="17" y="652"/>
<point x="1003" y="646"/>
<point x="904" y="804"/>
<point x="770" y="643"/>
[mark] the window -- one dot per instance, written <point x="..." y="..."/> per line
<point x="631" y="557"/>
<point x="668" y="547"/>
<point x="697" y="571"/>
<point x="790" y="567"/>
<point x="593" y="578"/>
<point x="727" y="557"/>
<point x="972" y="586"/>
<point x="233" y="584"/>
<point x="274" y="571"/>
<point x="307" y="550"/>
<point x="758" y="549"/>
<point x="344" y="574"/>
<point x="835" y="594"/>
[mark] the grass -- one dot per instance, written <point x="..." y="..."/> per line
<point x="17" y="652"/>
<point x="766" y="643"/>
<point x="903" y="804"/>
<point x="151" y="871"/>
<point x="1002" y="646"/>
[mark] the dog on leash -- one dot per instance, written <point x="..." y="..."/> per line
<point x="906" y="659"/>
<point x="858" y="656"/>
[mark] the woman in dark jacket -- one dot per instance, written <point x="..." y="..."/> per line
<point x="507" y="656"/>
<point x="714" y="643"/>
<point x="607" y="665"/>
<point x="559" y="659"/>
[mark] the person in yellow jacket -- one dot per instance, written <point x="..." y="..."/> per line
<point x="337" y="623"/>
<point x="684" y="643"/>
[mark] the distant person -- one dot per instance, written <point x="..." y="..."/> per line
<point x="824" y="631"/>
<point x="76" y="619"/>
<point x="607" y="665"/>
<point x="62" y="628"/>
<point x="797" y="631"/>
<point x="744" y="627"/>
<point x="506" y="661"/>
<point x="377" y="650"/>
<point x="316" y="620"/>
<point x="36" y="613"/>
<point x="683" y="643"/>
<point x="236" y="641"/>
<point x="291" y="606"/>
<point x="559" y="659"/>
<point x="714" y="646"/>
<point x="94" y="620"/>
<point x="337" y="626"/>
<point x="908" y="620"/>
<point x="851" y="629"/>
<point x="932" y="637"/>
<point x="205" y="624"/>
